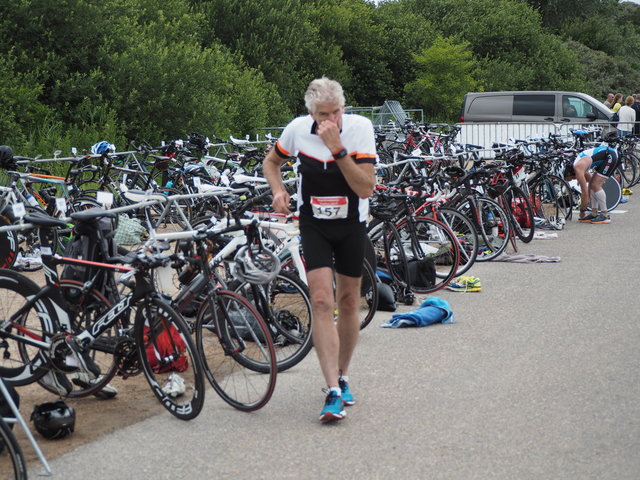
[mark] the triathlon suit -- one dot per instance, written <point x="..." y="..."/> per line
<point x="604" y="160"/>
<point x="332" y="217"/>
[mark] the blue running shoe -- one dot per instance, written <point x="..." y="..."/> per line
<point x="333" y="408"/>
<point x="347" y="396"/>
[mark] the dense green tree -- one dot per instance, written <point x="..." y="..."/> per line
<point x="281" y="39"/>
<point x="445" y="74"/>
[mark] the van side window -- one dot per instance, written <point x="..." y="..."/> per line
<point x="542" y="105"/>
<point x="577" y="107"/>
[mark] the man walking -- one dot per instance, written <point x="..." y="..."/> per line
<point x="336" y="156"/>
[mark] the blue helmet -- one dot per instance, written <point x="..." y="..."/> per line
<point x="100" y="147"/>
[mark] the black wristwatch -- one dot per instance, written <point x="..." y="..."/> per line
<point x="340" y="154"/>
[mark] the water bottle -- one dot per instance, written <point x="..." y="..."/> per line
<point x="32" y="200"/>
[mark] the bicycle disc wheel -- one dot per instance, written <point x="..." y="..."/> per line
<point x="13" y="462"/>
<point x="613" y="190"/>
<point x="425" y="239"/>
<point x="169" y="358"/>
<point x="237" y="351"/>
<point x="21" y="363"/>
<point x="84" y="308"/>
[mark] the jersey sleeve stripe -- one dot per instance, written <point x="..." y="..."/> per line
<point x="281" y="151"/>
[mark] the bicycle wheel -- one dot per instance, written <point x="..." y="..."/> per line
<point x="237" y="351"/>
<point x="466" y="235"/>
<point x="287" y="312"/>
<point x="613" y="190"/>
<point x="368" y="294"/>
<point x="13" y="463"/>
<point x="21" y="363"/>
<point x="84" y="308"/>
<point x="169" y="358"/>
<point x="8" y="244"/>
<point x="552" y="199"/>
<point x="520" y="213"/>
<point x="424" y="239"/>
<point x="492" y="224"/>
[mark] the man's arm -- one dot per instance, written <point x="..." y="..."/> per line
<point x="271" y="169"/>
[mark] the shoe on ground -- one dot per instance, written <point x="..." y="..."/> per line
<point x="333" y="408"/>
<point x="601" y="219"/>
<point x="82" y="359"/>
<point x="627" y="191"/>
<point x="84" y="380"/>
<point x="58" y="382"/>
<point x="174" y="386"/>
<point x="347" y="396"/>
<point x="587" y="218"/>
<point x="465" y="284"/>
<point x="623" y="200"/>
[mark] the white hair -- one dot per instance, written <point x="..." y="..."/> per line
<point x="323" y="90"/>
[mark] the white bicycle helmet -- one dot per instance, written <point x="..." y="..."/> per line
<point x="255" y="264"/>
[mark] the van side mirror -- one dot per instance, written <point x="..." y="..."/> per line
<point x="591" y="115"/>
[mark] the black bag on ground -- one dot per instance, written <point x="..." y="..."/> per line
<point x="422" y="273"/>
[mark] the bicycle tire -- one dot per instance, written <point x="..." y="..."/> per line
<point x="8" y="244"/>
<point x="14" y="456"/>
<point x="289" y="316"/>
<point x="466" y="234"/>
<point x="83" y="309"/>
<point x="368" y="294"/>
<point x="434" y="240"/>
<point x="165" y="348"/>
<point x="493" y="230"/>
<point x="519" y="209"/>
<point x="613" y="190"/>
<point x="244" y="382"/>
<point x="21" y="364"/>
<point x="551" y="196"/>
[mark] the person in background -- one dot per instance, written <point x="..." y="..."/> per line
<point x="609" y="101"/>
<point x="636" y="107"/>
<point x="617" y="102"/>
<point x="602" y="161"/>
<point x="627" y="117"/>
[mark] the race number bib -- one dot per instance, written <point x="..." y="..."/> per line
<point x="330" y="208"/>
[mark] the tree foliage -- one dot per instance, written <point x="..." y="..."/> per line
<point x="158" y="69"/>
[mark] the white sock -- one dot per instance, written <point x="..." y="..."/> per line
<point x="336" y="390"/>
<point x="601" y="199"/>
<point x="344" y="378"/>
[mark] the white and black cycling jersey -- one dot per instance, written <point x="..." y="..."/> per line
<point x="323" y="192"/>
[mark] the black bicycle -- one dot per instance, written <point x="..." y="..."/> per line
<point x="71" y="328"/>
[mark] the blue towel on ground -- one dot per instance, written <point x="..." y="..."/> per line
<point x="433" y="310"/>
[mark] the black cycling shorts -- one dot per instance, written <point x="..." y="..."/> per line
<point x="605" y="162"/>
<point x="335" y="245"/>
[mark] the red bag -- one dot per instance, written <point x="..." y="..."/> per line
<point x="166" y="345"/>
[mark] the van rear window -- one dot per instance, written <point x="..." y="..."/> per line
<point x="541" y="105"/>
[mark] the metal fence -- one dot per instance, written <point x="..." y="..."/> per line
<point x="485" y="134"/>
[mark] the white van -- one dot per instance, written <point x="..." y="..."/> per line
<point x="534" y="106"/>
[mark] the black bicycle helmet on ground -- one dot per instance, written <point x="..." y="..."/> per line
<point x="54" y="420"/>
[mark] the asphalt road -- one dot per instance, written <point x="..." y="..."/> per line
<point x="538" y="378"/>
